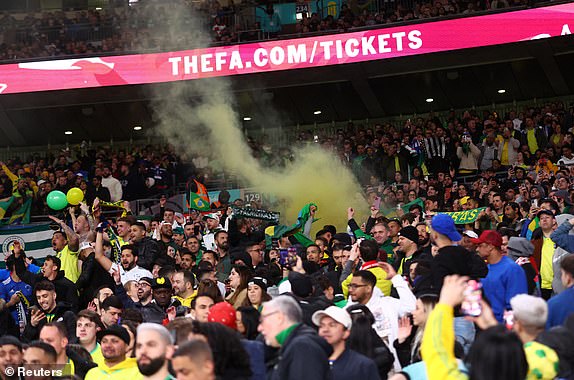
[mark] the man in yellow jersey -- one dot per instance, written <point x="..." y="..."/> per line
<point x="544" y="250"/>
<point x="87" y="326"/>
<point x="183" y="287"/>
<point x="66" y="243"/>
<point x="114" y="342"/>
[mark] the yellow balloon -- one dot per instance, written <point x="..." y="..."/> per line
<point x="74" y="196"/>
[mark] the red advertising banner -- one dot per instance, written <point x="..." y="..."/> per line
<point x="400" y="41"/>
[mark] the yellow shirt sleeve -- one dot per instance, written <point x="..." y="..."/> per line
<point x="437" y="347"/>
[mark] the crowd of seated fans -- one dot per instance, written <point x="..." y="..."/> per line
<point x="535" y="139"/>
<point x="152" y="26"/>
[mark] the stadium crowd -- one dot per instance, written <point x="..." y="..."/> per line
<point x="159" y="25"/>
<point x="485" y="292"/>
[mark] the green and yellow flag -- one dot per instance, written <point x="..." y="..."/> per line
<point x="197" y="197"/>
<point x="20" y="210"/>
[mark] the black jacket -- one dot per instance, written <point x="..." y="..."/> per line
<point x="454" y="259"/>
<point x="304" y="355"/>
<point x="62" y="313"/>
<point x="148" y="252"/>
<point x="81" y="365"/>
<point x="66" y="290"/>
<point x="92" y="277"/>
<point x="151" y="312"/>
<point x="352" y="365"/>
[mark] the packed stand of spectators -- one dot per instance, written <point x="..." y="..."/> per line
<point x="110" y="175"/>
<point x="396" y="11"/>
<point x="158" y="25"/>
<point x="401" y="294"/>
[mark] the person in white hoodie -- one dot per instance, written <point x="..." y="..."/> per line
<point x="386" y="310"/>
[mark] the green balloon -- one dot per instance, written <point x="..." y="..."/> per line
<point x="56" y="200"/>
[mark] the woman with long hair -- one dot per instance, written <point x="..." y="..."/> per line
<point x="231" y="358"/>
<point x="256" y="293"/>
<point x="365" y="340"/>
<point x="238" y="280"/>
<point x="408" y="343"/>
<point x="247" y="320"/>
<point x="209" y="288"/>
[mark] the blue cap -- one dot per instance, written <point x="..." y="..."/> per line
<point x="444" y="225"/>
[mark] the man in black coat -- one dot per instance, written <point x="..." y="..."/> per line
<point x="92" y="277"/>
<point x="66" y="290"/>
<point x="302" y="354"/>
<point x="48" y="311"/>
<point x="147" y="248"/>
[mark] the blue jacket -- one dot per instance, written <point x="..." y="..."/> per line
<point x="352" y="365"/>
<point x="561" y="237"/>
<point x="560" y="307"/>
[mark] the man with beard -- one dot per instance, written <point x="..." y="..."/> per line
<point x="66" y="290"/>
<point x="224" y="265"/>
<point x="154" y="349"/>
<point x="115" y="341"/>
<point x="183" y="282"/>
<point x="48" y="311"/>
<point x="11" y="356"/>
<point x="165" y="238"/>
<point x="187" y="259"/>
<point x="424" y="239"/>
<point x="147" y="248"/>
<point x="66" y="244"/>
<point x="151" y="312"/>
<point x="129" y="270"/>
<point x="212" y="227"/>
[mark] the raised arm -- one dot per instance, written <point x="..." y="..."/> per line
<point x="73" y="239"/>
<point x="100" y="257"/>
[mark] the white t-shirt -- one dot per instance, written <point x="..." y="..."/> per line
<point x="134" y="274"/>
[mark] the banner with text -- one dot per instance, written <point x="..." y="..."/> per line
<point x="376" y="44"/>
<point x="464" y="217"/>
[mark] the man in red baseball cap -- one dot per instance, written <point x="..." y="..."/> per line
<point x="505" y="278"/>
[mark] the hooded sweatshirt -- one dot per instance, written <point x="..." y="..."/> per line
<point x="128" y="369"/>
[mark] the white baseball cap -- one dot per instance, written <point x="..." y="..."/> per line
<point x="470" y="234"/>
<point x="338" y="314"/>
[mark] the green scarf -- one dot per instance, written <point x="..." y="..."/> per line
<point x="283" y="335"/>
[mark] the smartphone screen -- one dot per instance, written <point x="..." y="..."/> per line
<point x="508" y="319"/>
<point x="472" y="296"/>
<point x="377" y="203"/>
<point x="291" y="257"/>
<point x="283" y="255"/>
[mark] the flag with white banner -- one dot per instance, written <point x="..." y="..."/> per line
<point x="35" y="239"/>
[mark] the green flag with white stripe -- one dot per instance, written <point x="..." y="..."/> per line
<point x="36" y="239"/>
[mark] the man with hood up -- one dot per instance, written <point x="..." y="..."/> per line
<point x="520" y="250"/>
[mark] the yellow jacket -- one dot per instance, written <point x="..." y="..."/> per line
<point x="382" y="283"/>
<point x="437" y="348"/>
<point x="126" y="370"/>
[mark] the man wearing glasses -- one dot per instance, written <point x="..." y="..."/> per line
<point x="303" y="354"/>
